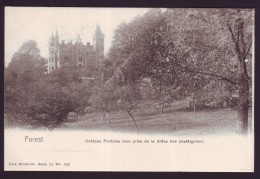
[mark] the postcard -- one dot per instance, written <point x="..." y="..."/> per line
<point x="129" y="89"/>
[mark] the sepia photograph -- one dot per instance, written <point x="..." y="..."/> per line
<point x="99" y="89"/>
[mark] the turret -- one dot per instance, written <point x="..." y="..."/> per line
<point x="51" y="41"/>
<point x="53" y="50"/>
<point x="78" y="40"/>
<point x="56" y="39"/>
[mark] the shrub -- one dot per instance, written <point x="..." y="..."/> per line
<point x="50" y="107"/>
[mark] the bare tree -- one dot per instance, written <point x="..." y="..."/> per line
<point x="104" y="99"/>
<point x="129" y="100"/>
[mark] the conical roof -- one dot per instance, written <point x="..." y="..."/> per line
<point x="56" y="33"/>
<point x="52" y="38"/>
<point x="98" y="31"/>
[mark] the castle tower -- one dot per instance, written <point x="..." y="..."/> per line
<point x="53" y="52"/>
<point x="98" y="44"/>
<point x="51" y="64"/>
<point x="56" y="40"/>
<point x="57" y="60"/>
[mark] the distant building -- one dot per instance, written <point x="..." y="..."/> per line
<point x="76" y="55"/>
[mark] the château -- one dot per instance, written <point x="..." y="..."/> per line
<point x="76" y="55"/>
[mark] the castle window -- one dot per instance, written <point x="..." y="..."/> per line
<point x="80" y="58"/>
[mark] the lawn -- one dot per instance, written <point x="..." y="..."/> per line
<point x="151" y="120"/>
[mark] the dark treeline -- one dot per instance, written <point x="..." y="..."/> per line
<point x="163" y="56"/>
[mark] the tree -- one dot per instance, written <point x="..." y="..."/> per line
<point x="107" y="69"/>
<point x="54" y="97"/>
<point x="27" y="61"/>
<point x="129" y="100"/>
<point x="24" y="70"/>
<point x="49" y="107"/>
<point x="174" y="47"/>
<point x="239" y="24"/>
<point x="104" y="99"/>
<point x="34" y="98"/>
<point x="217" y="44"/>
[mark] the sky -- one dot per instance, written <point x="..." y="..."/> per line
<point x="38" y="23"/>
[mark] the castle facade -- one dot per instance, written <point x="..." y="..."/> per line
<point x="77" y="55"/>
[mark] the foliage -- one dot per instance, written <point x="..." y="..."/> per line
<point x="129" y="100"/>
<point x="50" y="106"/>
<point x="22" y="73"/>
<point x="218" y="45"/>
<point x="37" y="99"/>
<point x="163" y="56"/>
<point x="199" y="53"/>
<point x="104" y="99"/>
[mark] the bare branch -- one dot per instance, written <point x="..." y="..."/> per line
<point x="231" y="31"/>
<point x="248" y="50"/>
<point x="237" y="35"/>
<point x="234" y="40"/>
<point x="208" y="74"/>
<point x="218" y="76"/>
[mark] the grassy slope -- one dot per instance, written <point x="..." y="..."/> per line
<point x="149" y="119"/>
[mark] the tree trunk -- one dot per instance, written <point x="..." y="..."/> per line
<point x="108" y="118"/>
<point x="242" y="116"/>
<point x="134" y="121"/>
<point x="162" y="108"/>
<point x="243" y="104"/>
<point x="194" y="109"/>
